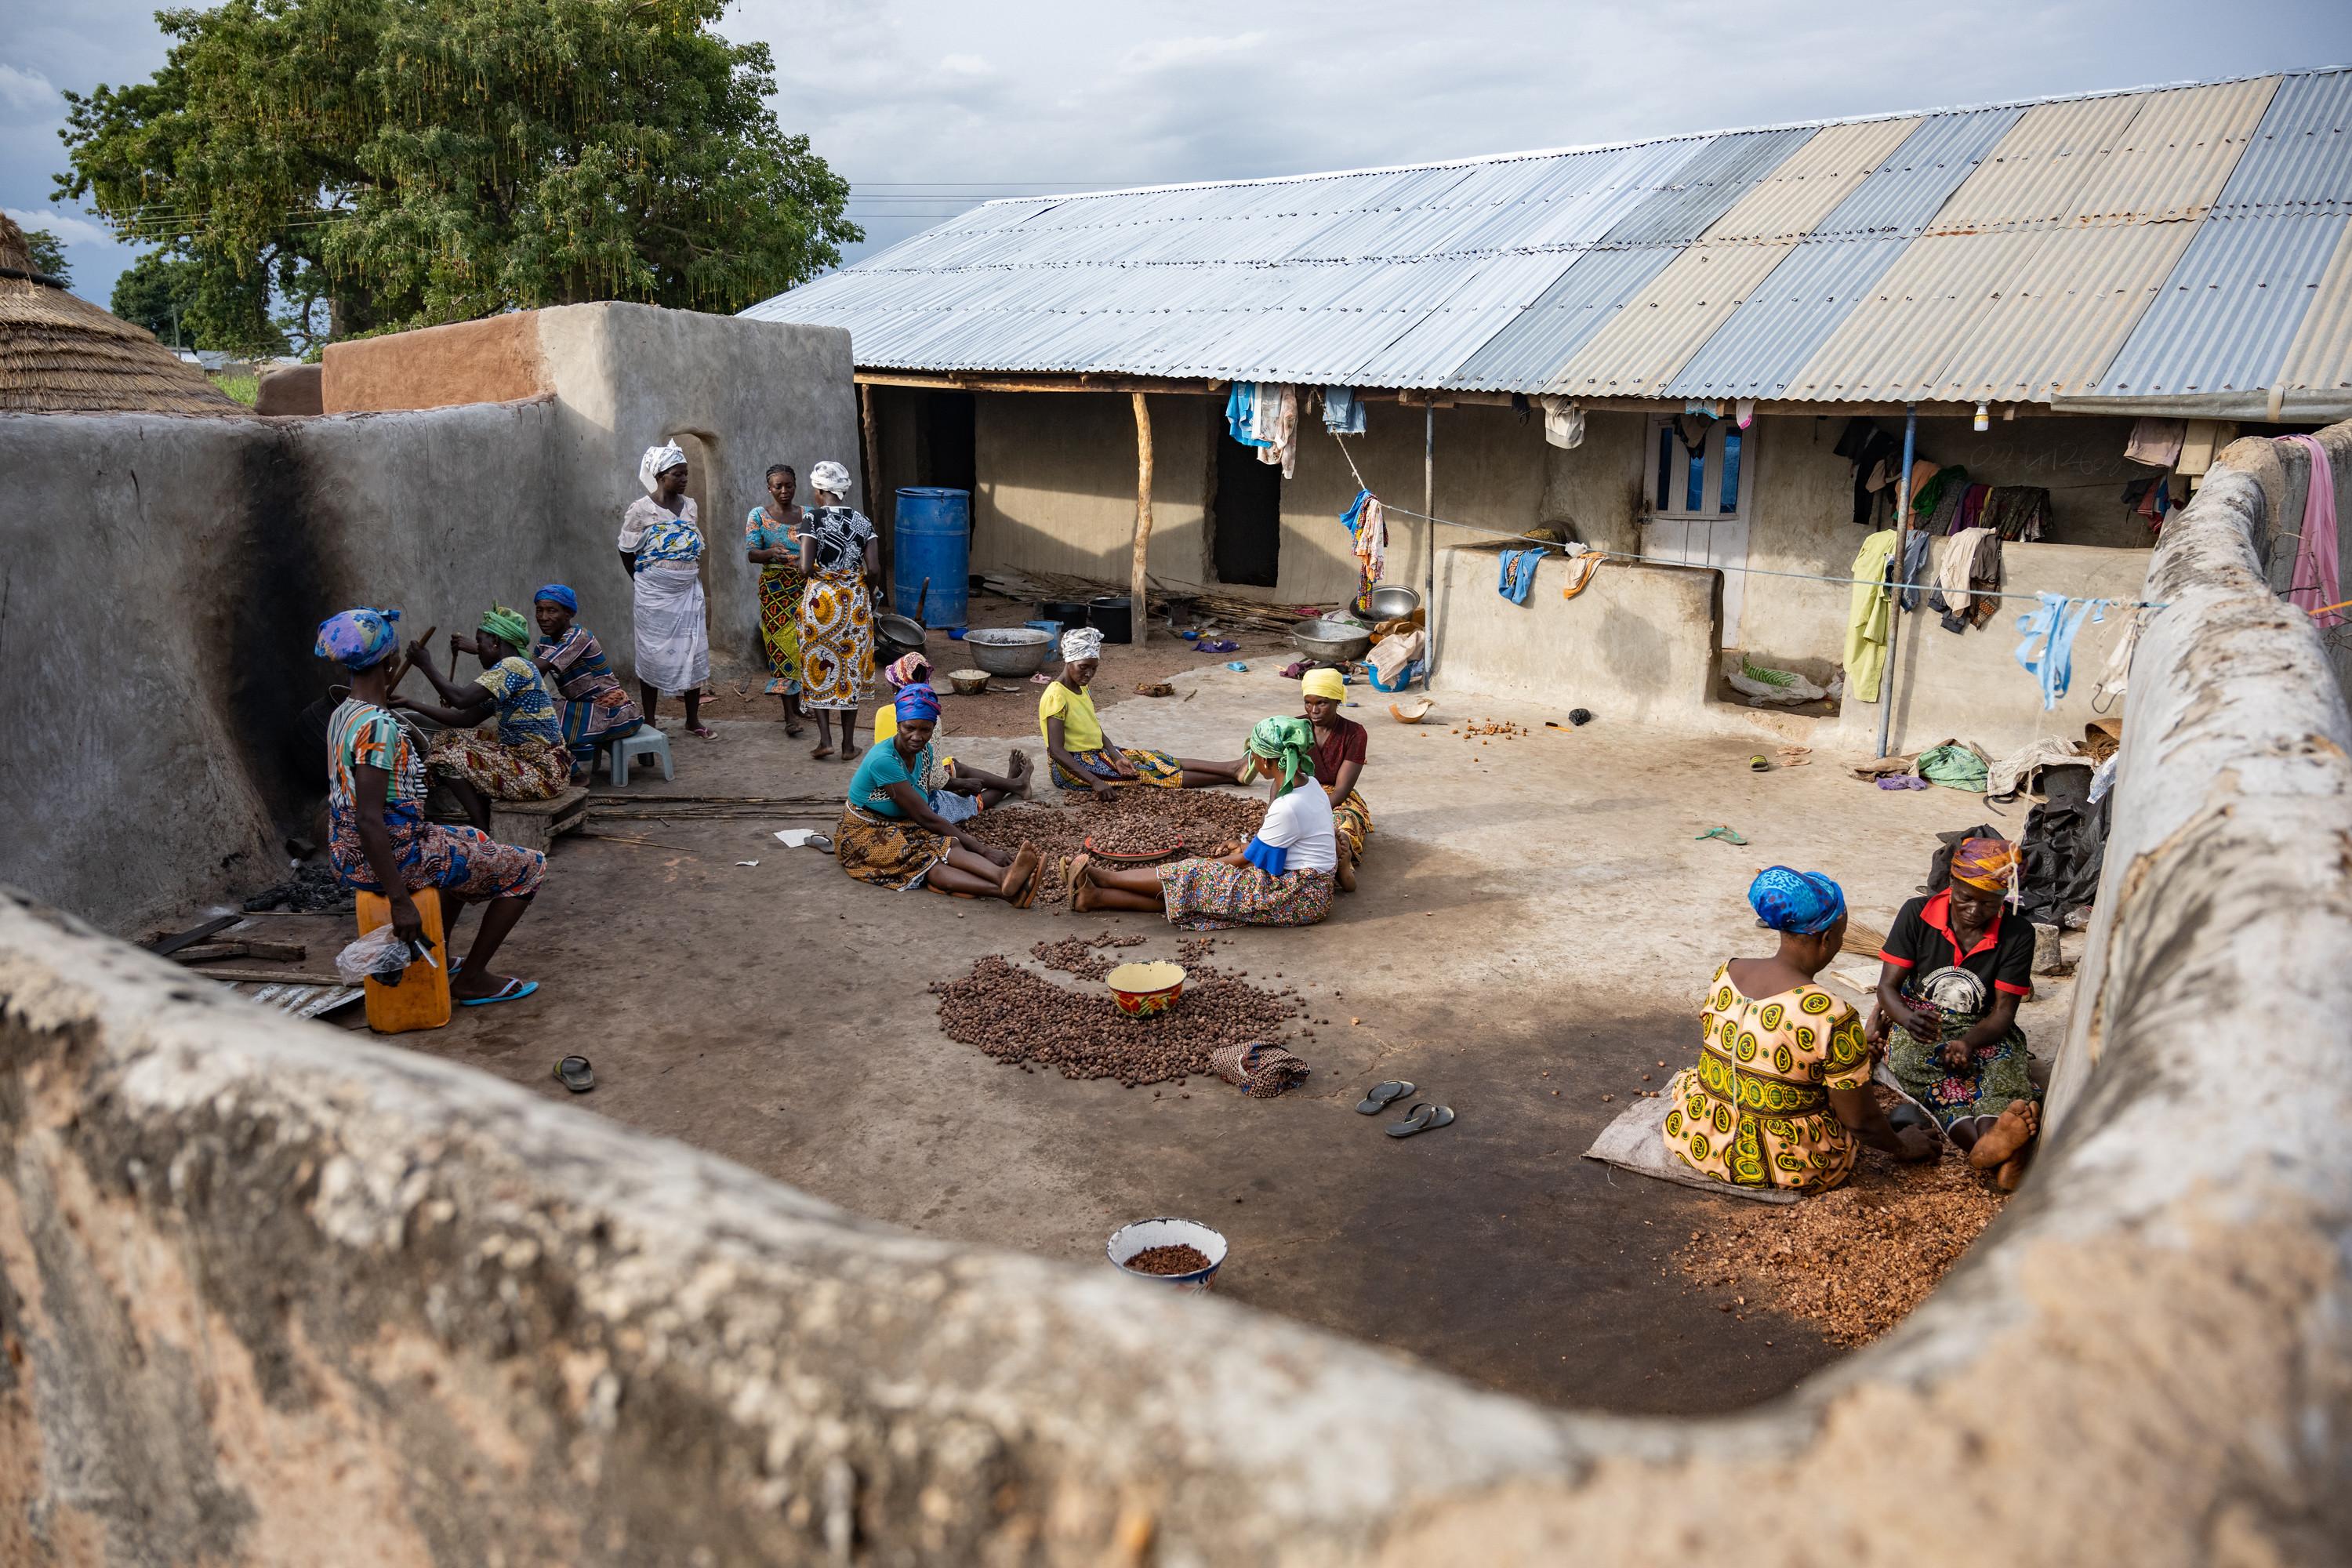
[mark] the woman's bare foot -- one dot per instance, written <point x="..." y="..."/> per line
<point x="821" y="750"/>
<point x="2013" y="1170"/>
<point x="1021" y="771"/>
<point x="2012" y="1133"/>
<point x="1081" y="886"/>
<point x="1017" y="875"/>
<point x="848" y="750"/>
<point x="1347" y="871"/>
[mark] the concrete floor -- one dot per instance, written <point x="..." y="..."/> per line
<point x="1530" y="906"/>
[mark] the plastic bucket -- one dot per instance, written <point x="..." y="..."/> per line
<point x="1113" y="616"/>
<point x="932" y="539"/>
<point x="1144" y="1234"/>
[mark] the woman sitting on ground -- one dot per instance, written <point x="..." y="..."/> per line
<point x="378" y="837"/>
<point x="596" y="712"/>
<point x="840" y="559"/>
<point x="1339" y="748"/>
<point x="1082" y="756"/>
<point x="957" y="790"/>
<point x="527" y="760"/>
<point x="892" y="836"/>
<point x="1782" y="1085"/>
<point x="661" y="549"/>
<point x="1950" y="978"/>
<point x="1282" y="877"/>
<point x="772" y="543"/>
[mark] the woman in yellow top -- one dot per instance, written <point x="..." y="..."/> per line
<point x="1782" y="1085"/>
<point x="1082" y="756"/>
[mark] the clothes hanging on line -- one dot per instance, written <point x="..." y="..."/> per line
<point x="1869" y="615"/>
<point x="2150" y="498"/>
<point x="1520" y="572"/>
<point x="2114" y="679"/>
<point x="2016" y="511"/>
<point x="1368" y="533"/>
<point x="1942" y="490"/>
<point x="1916" y="549"/>
<point x="2156" y="442"/>
<point x="1563" y="421"/>
<point x="1972" y="505"/>
<point x="1969" y="564"/>
<point x="1343" y="411"/>
<point x="1743" y="411"/>
<point x="1275" y="422"/>
<point x="1865" y="446"/>
<point x="2316" y="584"/>
<point x="2054" y="626"/>
<point x="1581" y="568"/>
<point x="1241" y="414"/>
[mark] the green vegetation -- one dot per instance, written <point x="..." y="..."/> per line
<point x="158" y="293"/>
<point x="245" y="387"/>
<point x="48" y="255"/>
<point x="326" y="168"/>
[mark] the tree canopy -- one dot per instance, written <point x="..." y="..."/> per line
<point x="405" y="163"/>
<point x="48" y="254"/>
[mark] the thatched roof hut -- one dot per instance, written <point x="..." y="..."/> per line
<point x="60" y="355"/>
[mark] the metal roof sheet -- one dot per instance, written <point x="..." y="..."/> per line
<point x="2161" y="242"/>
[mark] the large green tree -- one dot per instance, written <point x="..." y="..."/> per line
<point x="412" y="161"/>
<point x="48" y="255"/>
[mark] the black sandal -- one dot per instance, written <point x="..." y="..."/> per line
<point x="575" y="1074"/>
<point x="1380" y="1097"/>
<point x="1424" y="1118"/>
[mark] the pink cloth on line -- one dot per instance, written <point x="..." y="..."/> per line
<point x="2315" y="582"/>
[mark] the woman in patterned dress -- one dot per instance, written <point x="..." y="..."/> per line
<point x="1781" y="1089"/>
<point x="893" y="835"/>
<point x="772" y="543"/>
<point x="1282" y="877"/>
<point x="1955" y="967"/>
<point x="379" y="839"/>
<point x="596" y="712"/>
<point x="840" y="558"/>
<point x="528" y="759"/>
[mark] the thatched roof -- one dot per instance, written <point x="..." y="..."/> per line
<point x="60" y="355"/>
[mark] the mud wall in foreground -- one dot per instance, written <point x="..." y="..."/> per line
<point x="270" y="1296"/>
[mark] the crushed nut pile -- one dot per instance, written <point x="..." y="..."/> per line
<point x="1169" y="1260"/>
<point x="1024" y="1019"/>
<point x="1201" y="818"/>
<point x="1467" y="730"/>
<point x="1856" y="1260"/>
<point x="1081" y="955"/>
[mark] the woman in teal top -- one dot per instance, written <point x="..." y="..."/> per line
<point x="890" y="835"/>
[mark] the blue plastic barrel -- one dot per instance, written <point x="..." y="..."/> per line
<point x="932" y="538"/>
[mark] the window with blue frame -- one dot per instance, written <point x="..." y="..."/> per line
<point x="1703" y="479"/>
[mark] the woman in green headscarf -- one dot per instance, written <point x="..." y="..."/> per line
<point x="1282" y="877"/>
<point x="527" y="760"/>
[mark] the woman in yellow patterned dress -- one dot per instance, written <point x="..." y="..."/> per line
<point x="1781" y="1089"/>
<point x="839" y="557"/>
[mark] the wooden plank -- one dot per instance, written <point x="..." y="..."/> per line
<point x="165" y="946"/>
<point x="265" y="977"/>
<point x="243" y="947"/>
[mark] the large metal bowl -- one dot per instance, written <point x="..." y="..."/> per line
<point x="1332" y="639"/>
<point x="1009" y="650"/>
<point x="1388" y="602"/>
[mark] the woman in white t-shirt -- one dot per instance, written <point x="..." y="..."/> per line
<point x="1282" y="877"/>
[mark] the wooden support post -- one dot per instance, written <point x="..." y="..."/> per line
<point x="1140" y="615"/>
<point x="869" y="459"/>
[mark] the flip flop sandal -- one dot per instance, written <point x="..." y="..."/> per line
<point x="575" y="1074"/>
<point x="1424" y="1118"/>
<point x="1028" y="894"/>
<point x="818" y="842"/>
<point x="512" y="991"/>
<point x="702" y="730"/>
<point x="1380" y="1096"/>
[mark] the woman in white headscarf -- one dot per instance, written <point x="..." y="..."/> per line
<point x="661" y="549"/>
<point x="840" y="558"/>
<point x="1082" y="757"/>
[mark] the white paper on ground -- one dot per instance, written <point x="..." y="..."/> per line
<point x="794" y="837"/>
<point x="747" y="862"/>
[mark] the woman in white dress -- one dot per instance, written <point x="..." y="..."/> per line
<point x="661" y="549"/>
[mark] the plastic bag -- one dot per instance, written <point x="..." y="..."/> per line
<point x="381" y="956"/>
<point x="1761" y="686"/>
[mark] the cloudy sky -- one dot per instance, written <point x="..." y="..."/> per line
<point x="929" y="105"/>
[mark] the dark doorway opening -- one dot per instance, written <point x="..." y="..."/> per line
<point x="947" y="454"/>
<point x="1245" y="518"/>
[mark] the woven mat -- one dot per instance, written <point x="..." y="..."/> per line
<point x="1258" y="1068"/>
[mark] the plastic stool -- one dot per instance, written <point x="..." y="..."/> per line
<point x="647" y="741"/>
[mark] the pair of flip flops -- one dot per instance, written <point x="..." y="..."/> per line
<point x="575" y="1074"/>
<point x="1420" y="1118"/>
<point x="514" y="989"/>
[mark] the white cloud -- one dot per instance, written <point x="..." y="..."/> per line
<point x="22" y="89"/>
<point x="69" y="228"/>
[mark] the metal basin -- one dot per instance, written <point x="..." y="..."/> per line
<point x="1389" y="603"/>
<point x="1009" y="650"/>
<point x="1332" y="639"/>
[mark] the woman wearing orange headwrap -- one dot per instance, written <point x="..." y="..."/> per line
<point x="1950" y="978"/>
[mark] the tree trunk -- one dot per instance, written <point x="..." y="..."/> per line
<point x="1137" y="616"/>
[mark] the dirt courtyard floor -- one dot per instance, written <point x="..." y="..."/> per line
<point x="1537" y="923"/>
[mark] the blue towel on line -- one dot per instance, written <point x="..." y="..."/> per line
<point x="2054" y="626"/>
<point x="1343" y="411"/>
<point x="1520" y="572"/>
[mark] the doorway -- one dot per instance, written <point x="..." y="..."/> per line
<point x="947" y="457"/>
<point x="1245" y="514"/>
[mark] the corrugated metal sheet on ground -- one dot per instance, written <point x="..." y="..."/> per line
<point x="1655" y="332"/>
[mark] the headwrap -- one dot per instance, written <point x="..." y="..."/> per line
<point x="1286" y="742"/>
<point x="917" y="703"/>
<point x="1081" y="643"/>
<point x="357" y="639"/>
<point x="657" y="461"/>
<point x="907" y="670"/>
<point x="557" y="594"/>
<point x="1805" y="903"/>
<point x="506" y="624"/>
<point x="831" y="477"/>
<point x="1984" y="863"/>
<point x="1323" y="683"/>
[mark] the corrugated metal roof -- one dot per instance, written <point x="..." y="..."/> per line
<point x="2166" y="242"/>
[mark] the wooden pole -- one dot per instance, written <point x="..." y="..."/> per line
<point x="869" y="459"/>
<point x="1139" y="616"/>
<point x="1429" y="522"/>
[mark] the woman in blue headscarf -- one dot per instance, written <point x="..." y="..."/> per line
<point x="1781" y="1089"/>
<point x="893" y="834"/>
<point x="596" y="712"/>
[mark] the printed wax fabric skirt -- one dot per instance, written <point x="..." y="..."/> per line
<point x="590" y="722"/>
<point x="1210" y="895"/>
<point x="461" y="860"/>
<point x="781" y="587"/>
<point x="531" y="770"/>
<point x="1151" y="767"/>
<point x="1352" y="820"/>
<point x="673" y="630"/>
<point x="836" y="641"/>
<point x="884" y="850"/>
<point x="1756" y="1110"/>
<point x="1994" y="1074"/>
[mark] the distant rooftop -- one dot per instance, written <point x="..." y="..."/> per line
<point x="2185" y="246"/>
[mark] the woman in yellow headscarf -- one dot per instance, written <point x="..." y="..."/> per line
<point x="1951" y="975"/>
<point x="1339" y="745"/>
